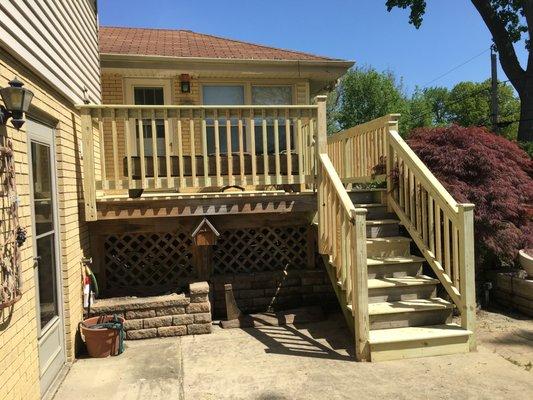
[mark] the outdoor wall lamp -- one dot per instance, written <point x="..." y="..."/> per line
<point x="185" y="83"/>
<point x="17" y="101"/>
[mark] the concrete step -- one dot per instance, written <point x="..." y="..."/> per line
<point x="400" y="314"/>
<point x="394" y="267"/>
<point x="366" y="195"/>
<point x="392" y="246"/>
<point x="411" y="342"/>
<point x="403" y="288"/>
<point x="382" y="228"/>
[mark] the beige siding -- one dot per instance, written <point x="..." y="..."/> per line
<point x="58" y="39"/>
<point x="19" y="365"/>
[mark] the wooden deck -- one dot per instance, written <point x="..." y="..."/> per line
<point x="204" y="204"/>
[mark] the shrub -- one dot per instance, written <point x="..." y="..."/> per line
<point x="491" y="172"/>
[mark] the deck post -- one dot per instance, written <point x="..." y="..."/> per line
<point x="321" y="143"/>
<point x="89" y="187"/>
<point x="360" y="284"/>
<point x="467" y="273"/>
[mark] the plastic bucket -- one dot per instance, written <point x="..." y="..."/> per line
<point x="100" y="342"/>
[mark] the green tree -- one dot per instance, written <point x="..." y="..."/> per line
<point x="362" y="95"/>
<point x="507" y="21"/>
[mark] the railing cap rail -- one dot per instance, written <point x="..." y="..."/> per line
<point x="195" y="107"/>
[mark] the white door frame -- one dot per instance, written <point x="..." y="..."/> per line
<point x="42" y="133"/>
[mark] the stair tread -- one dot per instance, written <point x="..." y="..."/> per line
<point x="413" y="333"/>
<point x="385" y="221"/>
<point x="393" y="260"/>
<point x="378" y="283"/>
<point x="367" y="190"/>
<point x="415" y="305"/>
<point x="386" y="239"/>
<point x="368" y="205"/>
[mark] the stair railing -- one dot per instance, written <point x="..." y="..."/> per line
<point x="442" y="229"/>
<point x="342" y="237"/>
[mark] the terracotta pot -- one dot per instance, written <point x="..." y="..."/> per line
<point x="526" y="262"/>
<point x="101" y="342"/>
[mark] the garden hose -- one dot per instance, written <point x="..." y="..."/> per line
<point x="94" y="282"/>
<point x="117" y="325"/>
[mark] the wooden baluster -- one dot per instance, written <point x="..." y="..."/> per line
<point x="401" y="193"/>
<point x="168" y="149"/>
<point x="116" y="165"/>
<point x="264" y="136"/>
<point x="155" y="158"/>
<point x="141" y="150"/>
<point x="406" y="190"/>
<point x="241" y="150"/>
<point x="229" y="148"/>
<point x="128" y="145"/>
<point x="412" y="188"/>
<point x="418" y="193"/>
<point x="447" y="267"/>
<point x="431" y="224"/>
<point x="105" y="182"/>
<point x="194" y="169"/>
<point x="205" y="154"/>
<point x="276" y="149"/>
<point x="424" y="215"/>
<point x="438" y="241"/>
<point x="217" y="149"/>
<point x="181" y="163"/>
<point x="252" y="147"/>
<point x="299" y="146"/>
<point x="344" y="250"/>
<point x="288" y="146"/>
<point x="455" y="255"/>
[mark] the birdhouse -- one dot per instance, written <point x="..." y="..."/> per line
<point x="205" y="234"/>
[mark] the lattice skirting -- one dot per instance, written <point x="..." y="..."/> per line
<point x="261" y="249"/>
<point x="147" y="263"/>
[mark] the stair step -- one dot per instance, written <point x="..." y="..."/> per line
<point x="419" y="312"/>
<point x="375" y="211"/>
<point x="394" y="267"/>
<point x="366" y="195"/>
<point x="392" y="246"/>
<point x="410" y="342"/>
<point x="401" y="288"/>
<point x="382" y="228"/>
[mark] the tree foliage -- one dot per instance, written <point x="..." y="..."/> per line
<point x="490" y="171"/>
<point x="508" y="22"/>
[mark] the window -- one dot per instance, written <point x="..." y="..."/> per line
<point x="272" y="95"/>
<point x="150" y="96"/>
<point x="223" y="95"/>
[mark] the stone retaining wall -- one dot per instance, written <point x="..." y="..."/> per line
<point x="273" y="291"/>
<point x="160" y="316"/>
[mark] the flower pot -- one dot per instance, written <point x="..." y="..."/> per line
<point x="526" y="262"/>
<point x="100" y="342"/>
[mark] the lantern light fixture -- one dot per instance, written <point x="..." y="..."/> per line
<point x="17" y="101"/>
<point x="185" y="83"/>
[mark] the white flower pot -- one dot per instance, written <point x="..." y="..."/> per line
<point x="526" y="262"/>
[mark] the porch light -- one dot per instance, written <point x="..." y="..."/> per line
<point x="185" y="83"/>
<point x="17" y="101"/>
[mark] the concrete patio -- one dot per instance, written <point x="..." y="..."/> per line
<point x="306" y="362"/>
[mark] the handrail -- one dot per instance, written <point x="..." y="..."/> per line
<point x="342" y="238"/>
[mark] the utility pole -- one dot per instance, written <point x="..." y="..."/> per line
<point x="494" y="91"/>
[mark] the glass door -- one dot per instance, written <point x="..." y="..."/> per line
<point x="46" y="260"/>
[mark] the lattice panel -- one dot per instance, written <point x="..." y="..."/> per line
<point x="261" y="249"/>
<point x="147" y="263"/>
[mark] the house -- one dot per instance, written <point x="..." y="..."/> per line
<point x="52" y="48"/>
<point x="165" y="158"/>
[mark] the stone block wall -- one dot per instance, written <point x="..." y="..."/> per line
<point x="161" y="316"/>
<point x="275" y="290"/>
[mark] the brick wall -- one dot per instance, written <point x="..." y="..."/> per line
<point x="19" y="364"/>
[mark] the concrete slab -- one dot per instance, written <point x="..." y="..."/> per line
<point x="148" y="369"/>
<point x="312" y="361"/>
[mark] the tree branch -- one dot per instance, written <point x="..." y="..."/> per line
<point x="508" y="58"/>
<point x="528" y="13"/>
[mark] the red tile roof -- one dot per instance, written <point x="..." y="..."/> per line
<point x="184" y="43"/>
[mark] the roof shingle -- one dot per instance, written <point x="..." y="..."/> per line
<point x="184" y="43"/>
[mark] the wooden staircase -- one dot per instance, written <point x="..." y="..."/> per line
<point x="406" y="317"/>
<point x="399" y="305"/>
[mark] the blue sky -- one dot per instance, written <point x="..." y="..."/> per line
<point x="359" y="30"/>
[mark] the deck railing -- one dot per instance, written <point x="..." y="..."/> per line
<point x="442" y="229"/>
<point x="189" y="148"/>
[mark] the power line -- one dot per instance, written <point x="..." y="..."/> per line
<point x="458" y="66"/>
